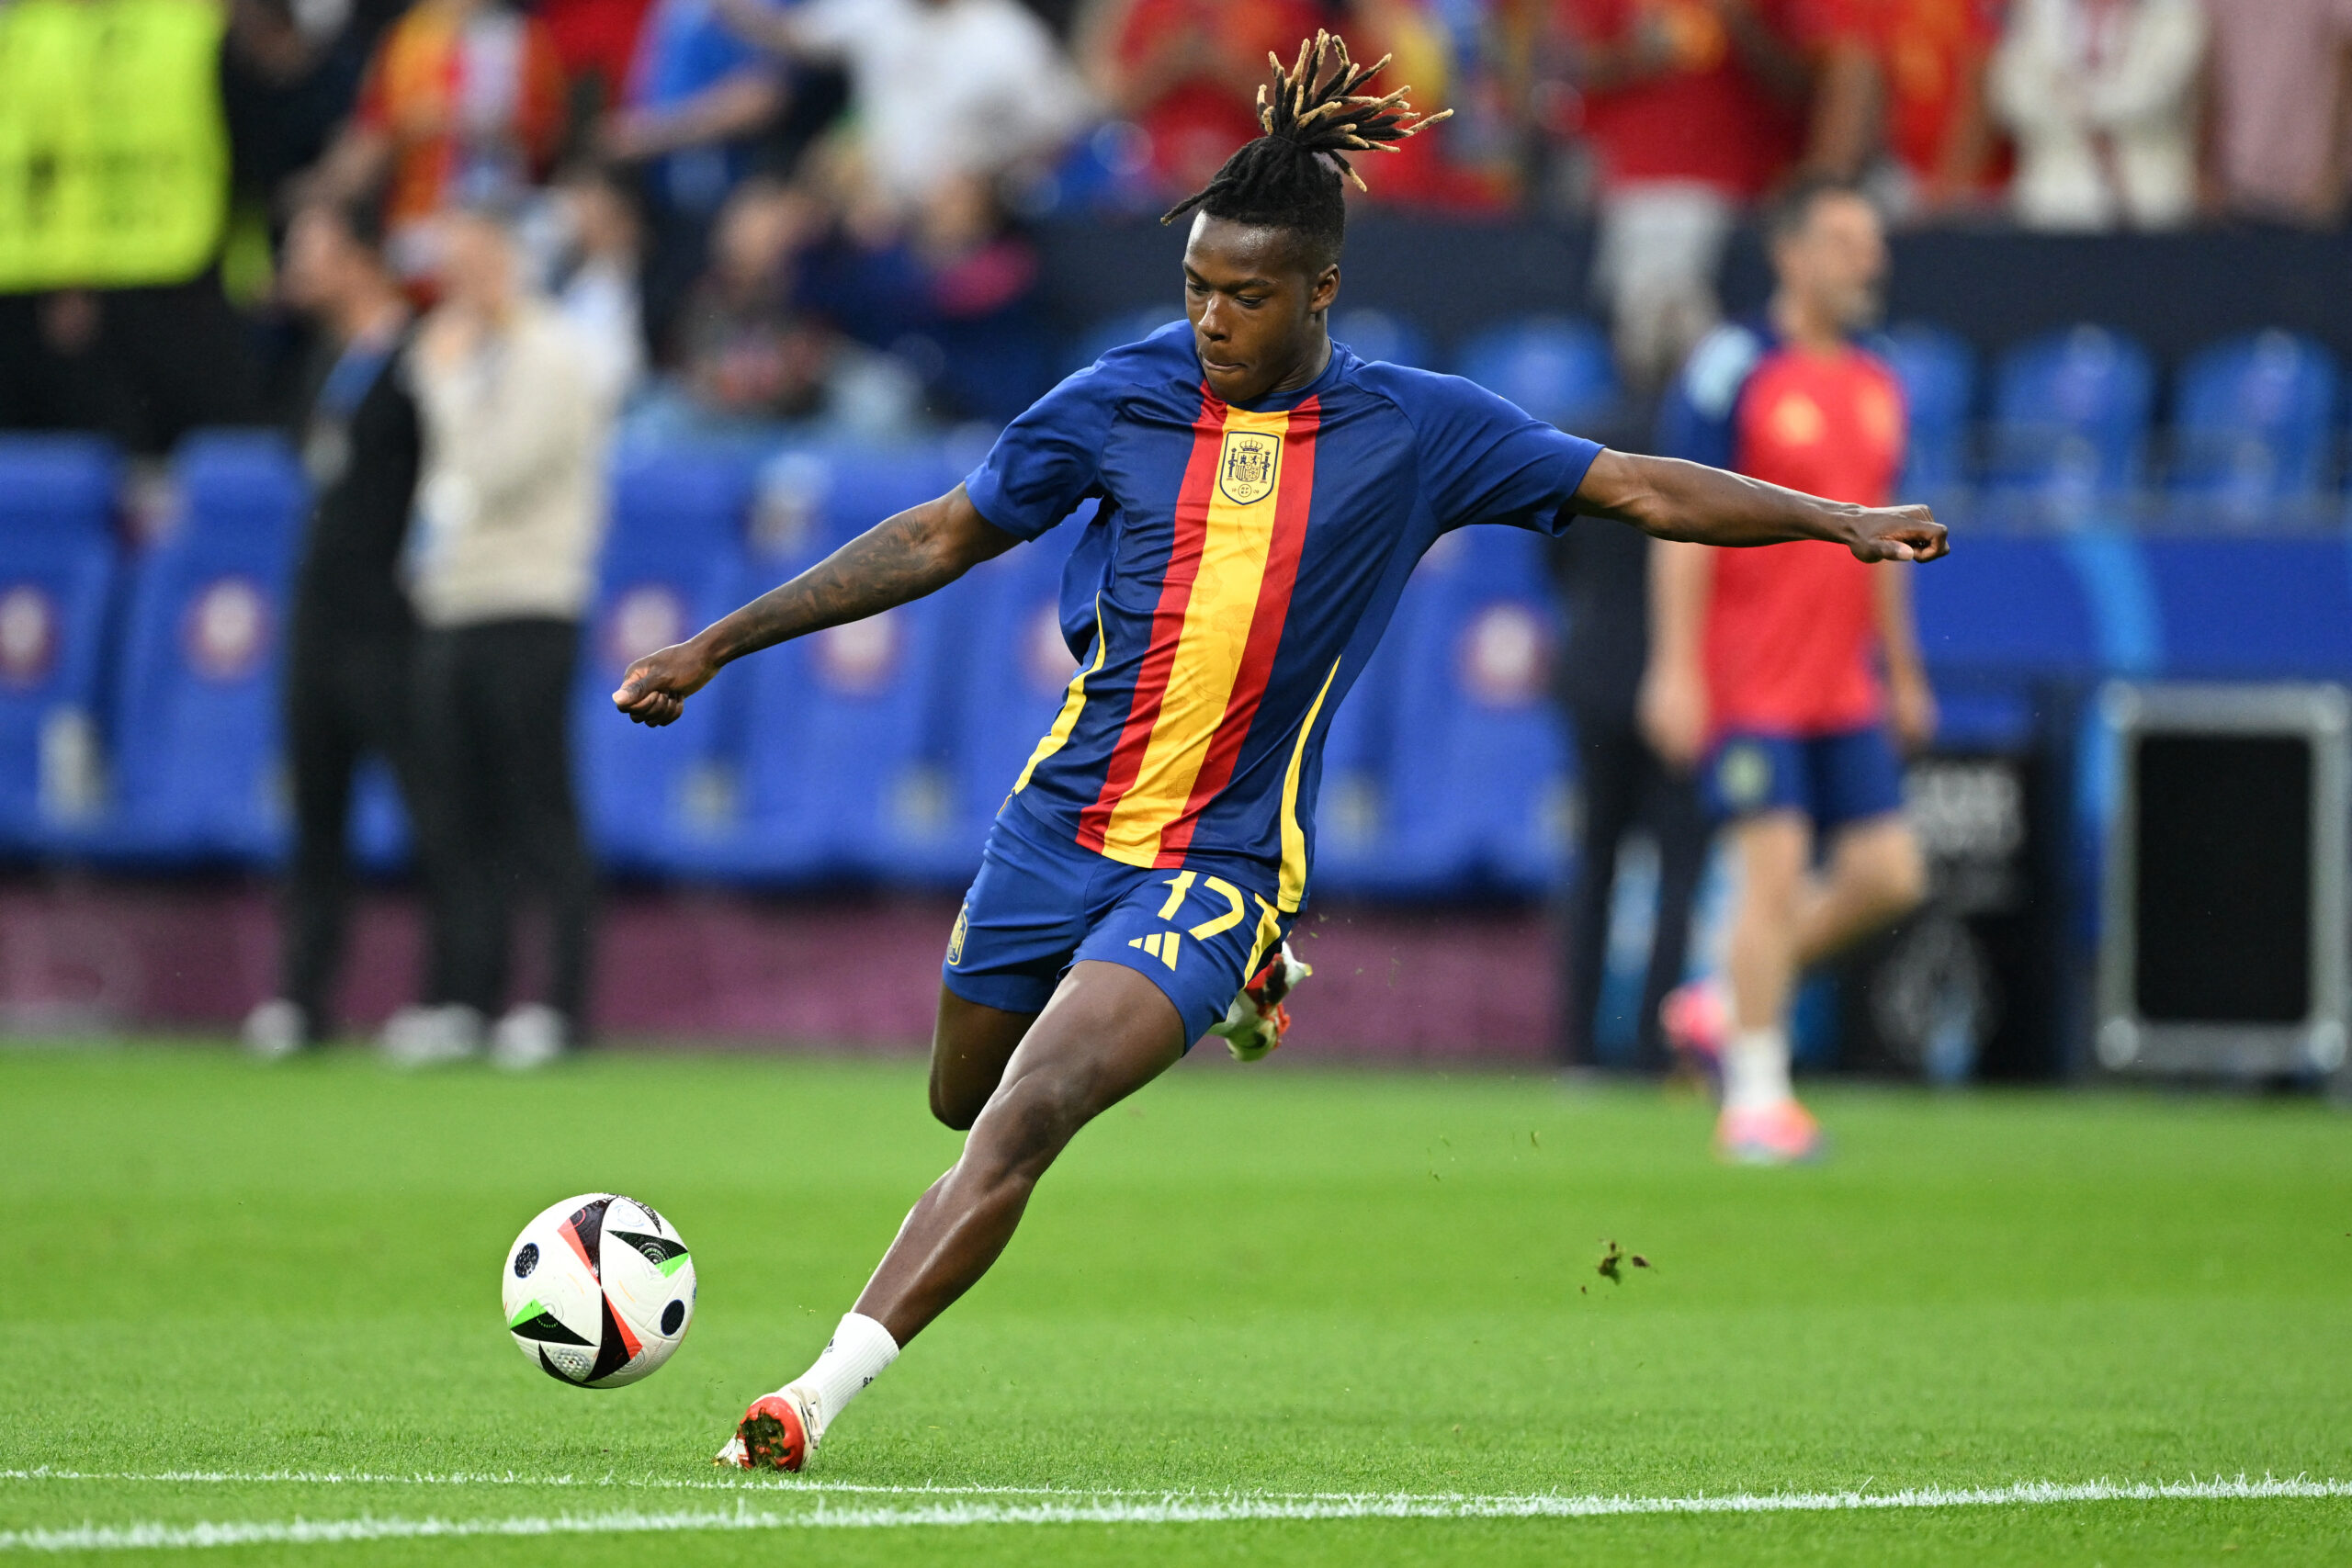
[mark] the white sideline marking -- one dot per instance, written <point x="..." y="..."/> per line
<point x="1170" y="1508"/>
<point x="513" y="1478"/>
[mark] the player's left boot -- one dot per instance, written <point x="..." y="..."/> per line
<point x="773" y="1435"/>
<point x="1695" y="1018"/>
<point x="1254" y="1024"/>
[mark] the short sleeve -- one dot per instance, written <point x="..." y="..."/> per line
<point x="1695" y="418"/>
<point x="1045" y="464"/>
<point x="1485" y="459"/>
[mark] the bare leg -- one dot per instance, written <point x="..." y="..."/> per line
<point x="1773" y="849"/>
<point x="970" y="1046"/>
<point x="1876" y="877"/>
<point x="1107" y="1032"/>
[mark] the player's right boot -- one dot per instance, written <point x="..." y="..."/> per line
<point x="1256" y="1022"/>
<point x="773" y="1435"/>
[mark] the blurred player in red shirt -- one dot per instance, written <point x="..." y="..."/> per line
<point x="1792" y="674"/>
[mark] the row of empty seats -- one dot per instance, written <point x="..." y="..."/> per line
<point x="139" y="715"/>
<point x="2063" y="429"/>
<point x="138" y="689"/>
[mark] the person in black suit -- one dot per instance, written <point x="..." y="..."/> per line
<point x="353" y="635"/>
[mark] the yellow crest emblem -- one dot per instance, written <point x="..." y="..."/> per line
<point x="956" y="940"/>
<point x="1247" y="467"/>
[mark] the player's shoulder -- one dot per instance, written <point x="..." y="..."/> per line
<point x="1162" y="360"/>
<point x="1719" y="368"/>
<point x="1158" y="354"/>
<point x="1423" y="395"/>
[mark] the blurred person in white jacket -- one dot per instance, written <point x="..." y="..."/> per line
<point x="937" y="87"/>
<point x="585" y="241"/>
<point x="2101" y="98"/>
<point x="510" y="511"/>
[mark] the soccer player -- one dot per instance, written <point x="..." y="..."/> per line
<point x="1264" y="496"/>
<point x="1766" y="662"/>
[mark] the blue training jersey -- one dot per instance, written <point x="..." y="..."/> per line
<point x="1242" y="565"/>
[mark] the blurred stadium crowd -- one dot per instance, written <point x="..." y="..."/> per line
<point x="817" y="213"/>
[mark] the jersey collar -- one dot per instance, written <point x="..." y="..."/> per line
<point x="1282" y="402"/>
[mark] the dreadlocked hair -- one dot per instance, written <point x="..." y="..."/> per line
<point x="1314" y="116"/>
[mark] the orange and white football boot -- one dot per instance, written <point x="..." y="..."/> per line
<point x="1255" y="1024"/>
<point x="773" y="1435"/>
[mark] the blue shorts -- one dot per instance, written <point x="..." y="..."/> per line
<point x="1850" y="776"/>
<point x="1041" y="903"/>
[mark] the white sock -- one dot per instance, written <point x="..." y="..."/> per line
<point x="1755" y="1069"/>
<point x="853" y="1358"/>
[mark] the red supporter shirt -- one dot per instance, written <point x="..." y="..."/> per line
<point x="1197" y="123"/>
<point x="467" y="99"/>
<point x="1707" y="118"/>
<point x="1932" y="54"/>
<point x="595" y="40"/>
<point x="1791" y="642"/>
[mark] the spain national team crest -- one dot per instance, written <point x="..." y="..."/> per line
<point x="1247" y="467"/>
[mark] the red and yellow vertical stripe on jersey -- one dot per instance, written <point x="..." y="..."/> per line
<point x="1240" y="524"/>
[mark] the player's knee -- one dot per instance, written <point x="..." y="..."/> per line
<point x="1911" y="877"/>
<point x="1030" y="1120"/>
<point x="1902" y="875"/>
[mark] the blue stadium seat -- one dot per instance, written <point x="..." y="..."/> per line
<point x="2252" y="424"/>
<point x="808" y="501"/>
<point x="58" y="483"/>
<point x="1381" y="334"/>
<point x="2070" y="423"/>
<point x="1558" y="368"/>
<point x="195" y="723"/>
<point x="1939" y="373"/>
<point x="841" y="778"/>
<point x="1477" y="777"/>
<point x="57" y="568"/>
<point x="1354" y="800"/>
<point x="1007" y="674"/>
<point x="673" y="562"/>
<point x="843" y="767"/>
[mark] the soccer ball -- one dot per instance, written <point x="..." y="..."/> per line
<point x="599" y="1291"/>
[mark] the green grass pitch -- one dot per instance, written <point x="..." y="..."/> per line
<point x="228" y="1284"/>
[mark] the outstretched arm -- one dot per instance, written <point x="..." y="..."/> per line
<point x="1674" y="499"/>
<point x="919" y="551"/>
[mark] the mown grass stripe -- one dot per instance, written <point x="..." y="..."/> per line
<point x="1176" y="1508"/>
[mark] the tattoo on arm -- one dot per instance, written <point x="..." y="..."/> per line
<point x="901" y="558"/>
